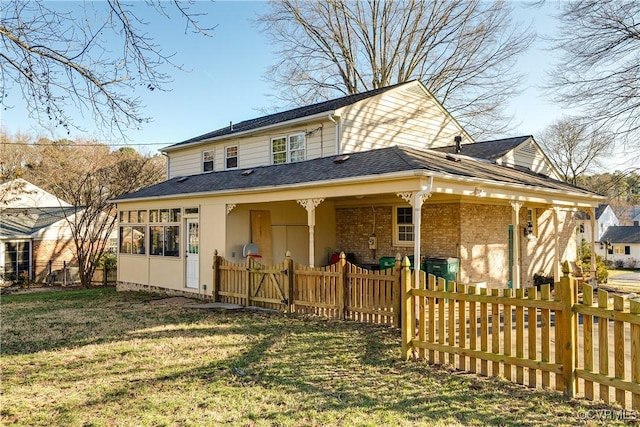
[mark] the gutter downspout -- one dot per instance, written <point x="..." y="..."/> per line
<point x="337" y="133"/>
<point x="417" y="215"/>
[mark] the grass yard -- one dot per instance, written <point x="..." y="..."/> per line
<point x="101" y="358"/>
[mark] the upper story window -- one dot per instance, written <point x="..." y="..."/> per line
<point x="207" y="160"/>
<point x="231" y="157"/>
<point x="403" y="226"/>
<point x="288" y="149"/>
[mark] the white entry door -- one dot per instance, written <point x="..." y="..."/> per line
<point x="193" y="253"/>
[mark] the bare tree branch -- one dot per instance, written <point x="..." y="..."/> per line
<point x="599" y="71"/>
<point x="89" y="57"/>
<point x="462" y="50"/>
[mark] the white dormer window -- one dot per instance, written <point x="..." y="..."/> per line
<point x="231" y="157"/>
<point x="207" y="160"/>
<point x="288" y="149"/>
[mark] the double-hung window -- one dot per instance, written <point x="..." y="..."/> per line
<point x="403" y="226"/>
<point x="288" y="149"/>
<point x="231" y="157"/>
<point x="207" y="160"/>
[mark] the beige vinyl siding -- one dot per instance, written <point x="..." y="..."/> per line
<point x="254" y="150"/>
<point x="185" y="162"/>
<point x="528" y="155"/>
<point x="408" y="118"/>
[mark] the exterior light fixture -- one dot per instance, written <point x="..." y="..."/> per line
<point x="528" y="230"/>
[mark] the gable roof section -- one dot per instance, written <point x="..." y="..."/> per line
<point x="488" y="150"/>
<point x="622" y="234"/>
<point x="23" y="222"/>
<point x="286" y="116"/>
<point x="581" y="215"/>
<point x="19" y="193"/>
<point x="367" y="163"/>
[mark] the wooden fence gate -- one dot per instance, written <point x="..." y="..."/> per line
<point x="342" y="290"/>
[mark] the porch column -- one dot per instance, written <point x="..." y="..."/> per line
<point x="592" y="221"/>
<point x="556" y="244"/>
<point x="310" y="205"/>
<point x="516" y="205"/>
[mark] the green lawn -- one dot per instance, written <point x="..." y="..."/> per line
<point x="101" y="358"/>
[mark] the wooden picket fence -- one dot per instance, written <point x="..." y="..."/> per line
<point x="342" y="290"/>
<point x="540" y="339"/>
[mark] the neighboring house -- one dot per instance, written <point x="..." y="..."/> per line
<point x="623" y="244"/>
<point x="359" y="174"/>
<point x="634" y="216"/>
<point x="34" y="232"/>
<point x="604" y="218"/>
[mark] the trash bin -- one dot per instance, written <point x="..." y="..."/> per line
<point x="447" y="268"/>
<point x="390" y="261"/>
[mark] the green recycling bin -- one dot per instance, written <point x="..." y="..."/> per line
<point x="447" y="268"/>
<point x="390" y="261"/>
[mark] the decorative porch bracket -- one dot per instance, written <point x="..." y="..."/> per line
<point x="310" y="205"/>
<point x="230" y="207"/>
<point x="516" y="205"/>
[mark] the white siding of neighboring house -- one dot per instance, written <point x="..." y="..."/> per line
<point x="409" y="117"/>
<point x="607" y="219"/>
<point x="632" y="260"/>
<point x="253" y="150"/>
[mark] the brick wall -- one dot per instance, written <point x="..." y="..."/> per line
<point x="440" y="232"/>
<point x="484" y="243"/>
<point x="477" y="234"/>
<point x="50" y="250"/>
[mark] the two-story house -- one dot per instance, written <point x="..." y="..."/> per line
<point x="374" y="174"/>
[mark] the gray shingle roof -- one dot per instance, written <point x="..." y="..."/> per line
<point x="285" y="116"/>
<point x="489" y="150"/>
<point x="622" y="234"/>
<point x="25" y="221"/>
<point x="361" y="164"/>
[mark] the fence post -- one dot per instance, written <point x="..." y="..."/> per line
<point x="248" y="268"/>
<point x="397" y="291"/>
<point x="567" y="326"/>
<point x="105" y="270"/>
<point x="408" y="322"/>
<point x="216" y="276"/>
<point x="64" y="273"/>
<point x="290" y="281"/>
<point x="343" y="287"/>
<point x="50" y="272"/>
<point x="635" y="352"/>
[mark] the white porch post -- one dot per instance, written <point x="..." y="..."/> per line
<point x="556" y="244"/>
<point x="516" y="243"/>
<point x="416" y="199"/>
<point x="310" y="205"/>
<point x="592" y="220"/>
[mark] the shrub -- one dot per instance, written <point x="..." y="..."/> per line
<point x="632" y="263"/>
<point x="619" y="263"/>
<point x="540" y="279"/>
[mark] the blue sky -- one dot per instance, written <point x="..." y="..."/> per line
<point x="225" y="81"/>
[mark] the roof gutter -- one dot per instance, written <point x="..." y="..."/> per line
<point x="242" y="133"/>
